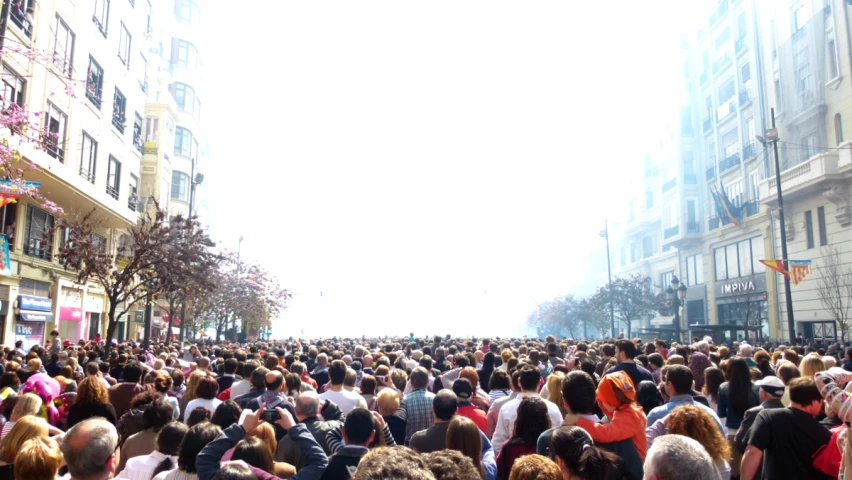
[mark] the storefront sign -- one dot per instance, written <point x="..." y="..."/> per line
<point x="71" y="313"/>
<point x="35" y="316"/>
<point x="139" y="317"/>
<point x="737" y="288"/>
<point x="39" y="304"/>
<point x="31" y="333"/>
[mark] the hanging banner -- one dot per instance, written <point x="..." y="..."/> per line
<point x="799" y="269"/>
<point x="5" y="260"/>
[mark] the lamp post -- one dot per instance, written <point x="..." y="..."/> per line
<point x="239" y="281"/>
<point x="677" y="294"/>
<point x="772" y="137"/>
<point x="194" y="179"/>
<point x="605" y="234"/>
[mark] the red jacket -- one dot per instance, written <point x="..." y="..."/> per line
<point x="476" y="414"/>
<point x="628" y="422"/>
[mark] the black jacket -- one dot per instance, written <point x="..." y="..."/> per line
<point x="343" y="464"/>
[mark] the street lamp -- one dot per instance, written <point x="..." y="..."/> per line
<point x="677" y="294"/>
<point x="194" y="179"/>
<point x="605" y="234"/>
<point x="772" y="137"/>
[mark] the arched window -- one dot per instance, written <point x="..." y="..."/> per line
<point x="838" y="128"/>
<point x="185" y="54"/>
<point x="183" y="142"/>
<point x="180" y="186"/>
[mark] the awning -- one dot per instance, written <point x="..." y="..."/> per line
<point x="29" y="316"/>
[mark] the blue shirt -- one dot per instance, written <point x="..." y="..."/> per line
<point x="678" y="400"/>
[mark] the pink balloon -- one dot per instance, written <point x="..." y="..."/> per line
<point x="41" y="383"/>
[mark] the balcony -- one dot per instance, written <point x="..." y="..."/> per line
<point x="21" y="18"/>
<point x="740" y="45"/>
<point x="112" y="191"/>
<point x="670" y="232"/>
<point x="745" y="97"/>
<point x="708" y="124"/>
<point x="690" y="179"/>
<point x="669" y="185"/>
<point x="93" y="93"/>
<point x="749" y="151"/>
<point x="89" y="175"/>
<point x="137" y="142"/>
<point x="725" y="110"/>
<point x="729" y="162"/>
<point x="693" y="228"/>
<point x="751" y="208"/>
<point x="722" y="63"/>
<point x="711" y="173"/>
<point x="713" y="223"/>
<point x="132" y="202"/>
<point x="119" y="121"/>
<point x="800" y="179"/>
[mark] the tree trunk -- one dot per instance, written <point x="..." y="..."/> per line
<point x="111" y="325"/>
<point x="171" y="319"/>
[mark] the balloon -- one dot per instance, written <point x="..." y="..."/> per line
<point x="41" y="384"/>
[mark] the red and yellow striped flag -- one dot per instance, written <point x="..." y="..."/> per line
<point x="776" y="265"/>
<point x="799" y="269"/>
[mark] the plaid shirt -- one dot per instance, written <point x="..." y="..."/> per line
<point x="418" y="407"/>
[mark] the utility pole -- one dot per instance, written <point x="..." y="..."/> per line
<point x="772" y="136"/>
<point x="192" y="184"/>
<point x="239" y="280"/>
<point x="605" y="234"/>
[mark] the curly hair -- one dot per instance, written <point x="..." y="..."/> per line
<point x="91" y="392"/>
<point x="533" y="419"/>
<point x="537" y="467"/>
<point x="691" y="421"/>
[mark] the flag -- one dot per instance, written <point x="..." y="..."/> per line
<point x="724" y="206"/>
<point x="799" y="269"/>
<point x="776" y="265"/>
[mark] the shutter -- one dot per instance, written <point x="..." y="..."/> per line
<point x="5" y="292"/>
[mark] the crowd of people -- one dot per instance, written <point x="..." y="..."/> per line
<point x="425" y="408"/>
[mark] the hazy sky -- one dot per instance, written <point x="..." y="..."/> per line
<point x="429" y="166"/>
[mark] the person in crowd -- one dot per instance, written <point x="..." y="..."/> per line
<point x="243" y="385"/>
<point x="343" y="398"/>
<point x="679" y="390"/>
<point x="38" y="458"/>
<point x="156" y="415"/>
<point x="444" y="407"/>
<point x="190" y="393"/>
<point x="193" y="442"/>
<point x="450" y="464"/>
<point x="205" y="395"/>
<point x="388" y="405"/>
<point x="464" y="392"/>
<point x="695" y="423"/>
<point x="307" y="411"/>
<point x="574" y="451"/>
<point x="27" y="404"/>
<point x="134" y="420"/>
<point x="122" y="393"/>
<point x="771" y="391"/>
<point x="499" y="386"/>
<point x="713" y="379"/>
<point x="531" y="421"/>
<point x="615" y="397"/>
<point x="736" y="396"/>
<point x="258" y="388"/>
<point x="535" y="467"/>
<point x="26" y="428"/>
<point x="528" y="381"/>
<point x="228" y="376"/>
<point x="784" y="440"/>
<point x="162" y="459"/>
<point x="675" y="457"/>
<point x="163" y="384"/>
<point x="178" y="385"/>
<point x="226" y="414"/>
<point x="464" y="436"/>
<point x="90" y="450"/>
<point x="418" y="404"/>
<point x="399" y="463"/>
<point x="358" y="432"/>
<point x="648" y="396"/>
<point x="625" y="352"/>
<point x="92" y="401"/>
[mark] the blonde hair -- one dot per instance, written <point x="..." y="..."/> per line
<point x="810" y="365"/>
<point x="554" y="389"/>
<point x="388" y="402"/>
<point x="192" y="384"/>
<point x="266" y="434"/>
<point x="33" y="364"/>
<point x="38" y="458"/>
<point x="535" y="467"/>
<point x="26" y="428"/>
<point x="28" y="404"/>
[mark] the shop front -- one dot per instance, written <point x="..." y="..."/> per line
<point x="71" y="323"/>
<point x="94" y="312"/>
<point x="32" y="315"/>
<point x="742" y="311"/>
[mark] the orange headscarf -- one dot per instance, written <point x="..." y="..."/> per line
<point x="611" y="382"/>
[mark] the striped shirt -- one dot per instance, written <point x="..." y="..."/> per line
<point x="418" y="407"/>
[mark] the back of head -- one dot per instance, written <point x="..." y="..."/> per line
<point x="337" y="372"/>
<point x="26" y="428"/>
<point x="157" y="414"/>
<point x="38" y="458"/>
<point x="535" y="467"/>
<point x="226" y="414"/>
<point x="358" y="426"/>
<point x="401" y="463"/>
<point x="445" y="405"/>
<point x="675" y="457"/>
<point x="529" y="377"/>
<point x="308" y="404"/>
<point x="804" y="391"/>
<point x="464" y="436"/>
<point x="388" y="402"/>
<point x="170" y="438"/>
<point x="132" y="373"/>
<point x="627" y="347"/>
<point x="256" y="453"/>
<point x="195" y="440"/>
<point x="680" y="376"/>
<point x="578" y="391"/>
<point x="451" y="465"/>
<point x="258" y="377"/>
<point x="234" y="471"/>
<point x="88" y="446"/>
<point x="576" y="449"/>
<point x="419" y="378"/>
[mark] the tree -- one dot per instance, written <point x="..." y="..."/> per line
<point x="129" y="275"/>
<point x="187" y="269"/>
<point x="631" y="297"/>
<point x="834" y="288"/>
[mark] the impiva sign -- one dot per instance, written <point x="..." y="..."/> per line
<point x="738" y="287"/>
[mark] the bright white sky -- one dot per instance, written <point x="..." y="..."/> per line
<point x="429" y="166"/>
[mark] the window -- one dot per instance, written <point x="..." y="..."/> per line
<point x="88" y="157"/>
<point x="666" y="280"/>
<point x="94" y="82"/>
<point x="695" y="269"/>
<point x="726" y="91"/>
<point x="669" y="215"/>
<point x="37" y="242"/>
<point x="21" y="13"/>
<point x="799" y="17"/>
<point x="34" y="288"/>
<point x="186" y="99"/>
<point x="152" y="129"/>
<point x="133" y="192"/>
<point x="686" y="121"/>
<point x="54" y="126"/>
<point x="739" y="259"/>
<point x="186" y="11"/>
<point x="180" y="186"/>
<point x="101" y="15"/>
<point x="691" y="216"/>
<point x="143" y="78"/>
<point x="124" y="46"/>
<point x="63" y="47"/>
<point x="809" y="229"/>
<point x="185" y="55"/>
<point x="732" y="262"/>
<point x="744" y="252"/>
<point x="119" y="118"/>
<point x="688" y="163"/>
<point x="165" y="197"/>
<point x="183" y="142"/>
<point x="823" y="232"/>
<point x="634" y="252"/>
<point x="649" y="199"/>
<point x="809" y="148"/>
<point x="838" y="128"/>
<point x="734" y="190"/>
<point x="741" y="25"/>
<point x="750" y="134"/>
<point x="137" y="133"/>
<point x="647" y="247"/>
<point x="803" y="71"/>
<point x="721" y="266"/>
<point x="833" y="69"/>
<point x="113" y="177"/>
<point x="745" y="74"/>
<point x="98" y="242"/>
<point x="13" y="88"/>
<point x="754" y="185"/>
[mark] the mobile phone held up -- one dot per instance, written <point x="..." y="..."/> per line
<point x="270" y="416"/>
